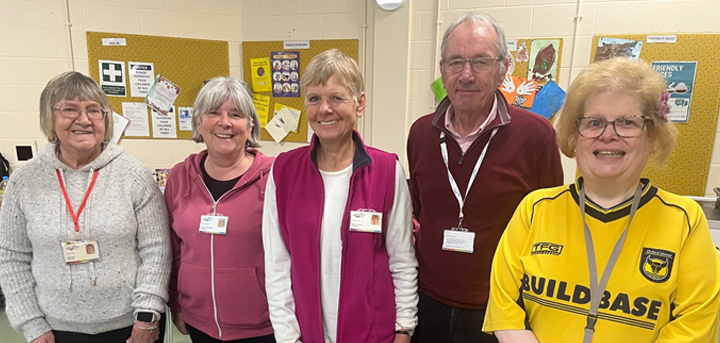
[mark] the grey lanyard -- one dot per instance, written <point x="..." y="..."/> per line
<point x="597" y="289"/>
<point x="453" y="184"/>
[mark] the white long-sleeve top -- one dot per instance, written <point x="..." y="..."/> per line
<point x="398" y="242"/>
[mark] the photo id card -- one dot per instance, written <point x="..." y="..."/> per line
<point x="214" y="225"/>
<point x="78" y="252"/>
<point x="366" y="221"/>
<point x="461" y="241"/>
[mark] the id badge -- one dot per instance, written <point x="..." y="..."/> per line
<point x="366" y="221"/>
<point x="213" y="224"/>
<point x="78" y="252"/>
<point x="459" y="240"/>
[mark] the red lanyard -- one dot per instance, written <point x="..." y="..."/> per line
<point x="67" y="199"/>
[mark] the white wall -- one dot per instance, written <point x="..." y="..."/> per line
<point x="34" y="47"/>
<point x="555" y="18"/>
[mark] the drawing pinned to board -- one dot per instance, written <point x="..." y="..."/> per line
<point x="518" y="91"/>
<point x="548" y="100"/>
<point x="522" y="53"/>
<point x="286" y="77"/>
<point x="613" y="47"/>
<point x="543" y="58"/>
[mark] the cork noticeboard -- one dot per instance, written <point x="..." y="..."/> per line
<point x="186" y="62"/>
<point x="686" y="170"/>
<point x="252" y="50"/>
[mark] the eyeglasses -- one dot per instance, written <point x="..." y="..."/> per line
<point x="72" y="112"/>
<point x="625" y="127"/>
<point x="478" y="64"/>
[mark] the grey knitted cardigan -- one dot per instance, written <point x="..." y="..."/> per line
<point x="125" y="213"/>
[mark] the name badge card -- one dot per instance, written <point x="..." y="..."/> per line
<point x="213" y="225"/>
<point x="366" y="221"/>
<point x="78" y="252"/>
<point x="461" y="241"/>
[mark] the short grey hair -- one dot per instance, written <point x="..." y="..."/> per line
<point x="69" y="86"/>
<point x="480" y="18"/>
<point x="213" y="95"/>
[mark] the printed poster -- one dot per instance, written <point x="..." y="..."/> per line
<point x="137" y="112"/>
<point x="260" y="68"/>
<point x="164" y="124"/>
<point x="293" y="111"/>
<point x="262" y="107"/>
<point x="286" y="74"/>
<point x="543" y="60"/>
<point x="680" y="77"/>
<point x="612" y="47"/>
<point x="142" y="76"/>
<point x="185" y="118"/>
<point x="112" y="77"/>
<point x="162" y="95"/>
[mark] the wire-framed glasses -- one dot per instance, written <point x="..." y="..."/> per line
<point x="625" y="127"/>
<point x="72" y="112"/>
<point x="478" y="64"/>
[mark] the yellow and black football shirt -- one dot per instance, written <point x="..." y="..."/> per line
<point x="665" y="286"/>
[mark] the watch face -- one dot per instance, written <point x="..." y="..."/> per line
<point x="145" y="317"/>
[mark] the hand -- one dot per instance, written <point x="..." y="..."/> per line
<point x="141" y="335"/>
<point x="508" y="86"/>
<point x="47" y="337"/>
<point x="179" y="322"/>
<point x="400" y="338"/>
<point x="526" y="88"/>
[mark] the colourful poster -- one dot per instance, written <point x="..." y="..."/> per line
<point x="518" y="91"/>
<point x="262" y="106"/>
<point x="612" y="47"/>
<point x="548" y="100"/>
<point x="260" y="68"/>
<point x="285" y="74"/>
<point x="543" y="60"/>
<point x="680" y="77"/>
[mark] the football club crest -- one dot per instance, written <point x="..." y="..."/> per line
<point x="656" y="264"/>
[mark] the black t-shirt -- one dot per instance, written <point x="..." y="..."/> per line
<point x="217" y="188"/>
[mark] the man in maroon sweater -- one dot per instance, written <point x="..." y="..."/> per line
<point x="513" y="152"/>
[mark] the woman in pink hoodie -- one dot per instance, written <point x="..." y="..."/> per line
<point x="215" y="205"/>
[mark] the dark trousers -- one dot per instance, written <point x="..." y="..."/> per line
<point x="440" y="323"/>
<point x="115" y="336"/>
<point x="198" y="336"/>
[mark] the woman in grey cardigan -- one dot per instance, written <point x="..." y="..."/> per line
<point x="84" y="241"/>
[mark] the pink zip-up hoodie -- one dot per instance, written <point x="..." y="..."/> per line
<point x="218" y="281"/>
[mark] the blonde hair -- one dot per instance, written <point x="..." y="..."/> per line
<point x="333" y="63"/>
<point x="68" y="86"/>
<point x="618" y="75"/>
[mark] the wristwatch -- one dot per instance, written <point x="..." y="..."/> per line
<point x="146" y="317"/>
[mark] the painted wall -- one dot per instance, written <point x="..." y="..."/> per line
<point x="34" y="47"/>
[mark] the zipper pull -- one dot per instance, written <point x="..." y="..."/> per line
<point x="462" y="157"/>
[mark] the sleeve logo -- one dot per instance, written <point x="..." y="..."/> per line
<point x="656" y="265"/>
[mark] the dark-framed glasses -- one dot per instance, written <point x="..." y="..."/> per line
<point x="72" y="112"/>
<point x="625" y="127"/>
<point x="478" y="64"/>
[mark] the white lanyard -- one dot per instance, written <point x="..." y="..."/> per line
<point x="598" y="288"/>
<point x="453" y="184"/>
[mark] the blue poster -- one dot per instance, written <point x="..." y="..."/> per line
<point x="285" y="74"/>
<point x="548" y="100"/>
<point x="680" y="77"/>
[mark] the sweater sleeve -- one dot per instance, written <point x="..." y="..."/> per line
<point x="281" y="302"/>
<point x="175" y="242"/>
<point x="401" y="255"/>
<point x="153" y="241"/>
<point x="549" y="164"/>
<point x="16" y="278"/>
<point x="503" y="311"/>
<point x="697" y="299"/>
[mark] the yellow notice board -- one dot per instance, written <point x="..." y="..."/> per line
<point x="686" y="170"/>
<point x="185" y="62"/>
<point x="265" y="49"/>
